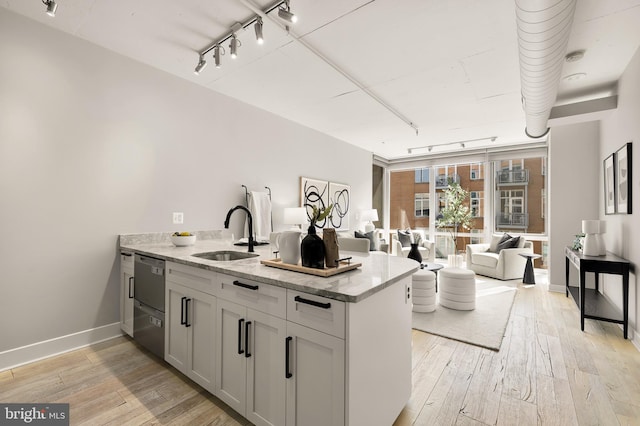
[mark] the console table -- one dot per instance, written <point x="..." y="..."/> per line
<point x="592" y="304"/>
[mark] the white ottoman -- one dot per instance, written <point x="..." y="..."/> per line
<point x="457" y="289"/>
<point x="424" y="291"/>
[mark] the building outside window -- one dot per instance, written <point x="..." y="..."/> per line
<point x="422" y="175"/>
<point x="516" y="204"/>
<point x="422" y="205"/>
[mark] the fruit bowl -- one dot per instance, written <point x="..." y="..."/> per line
<point x="183" y="239"/>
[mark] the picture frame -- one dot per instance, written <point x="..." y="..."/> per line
<point x="623" y="179"/>
<point x="340" y="197"/>
<point x="610" y="203"/>
<point x="314" y="192"/>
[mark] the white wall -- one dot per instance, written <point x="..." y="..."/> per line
<point x="574" y="189"/>
<point x="93" y="144"/>
<point x="576" y="193"/>
<point x="622" y="236"/>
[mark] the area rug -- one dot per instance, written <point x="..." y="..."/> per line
<point x="484" y="326"/>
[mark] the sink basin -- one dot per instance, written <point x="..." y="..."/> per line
<point x="225" y="255"/>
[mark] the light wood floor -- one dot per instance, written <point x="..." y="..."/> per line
<point x="547" y="372"/>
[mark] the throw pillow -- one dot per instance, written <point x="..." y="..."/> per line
<point x="508" y="243"/>
<point x="370" y="236"/>
<point x="497" y="240"/>
<point x="405" y="238"/>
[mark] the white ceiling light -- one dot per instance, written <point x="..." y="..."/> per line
<point x="575" y="76"/>
<point x="216" y="55"/>
<point x="284" y="13"/>
<point x="201" y="65"/>
<point x="258" y="28"/>
<point x="233" y="46"/>
<point x="52" y="6"/>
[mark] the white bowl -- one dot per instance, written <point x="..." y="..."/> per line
<point x="181" y="241"/>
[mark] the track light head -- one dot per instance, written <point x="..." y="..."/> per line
<point x="258" y="29"/>
<point x="201" y="65"/>
<point x="233" y="46"/>
<point x="285" y="15"/>
<point x="216" y="55"/>
<point x="52" y="6"/>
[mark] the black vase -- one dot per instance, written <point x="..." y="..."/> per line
<point x="312" y="250"/>
<point x="414" y="253"/>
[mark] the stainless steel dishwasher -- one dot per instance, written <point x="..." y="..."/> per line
<point x="148" y="309"/>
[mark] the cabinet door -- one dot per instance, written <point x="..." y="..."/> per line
<point x="231" y="361"/>
<point x="175" y="333"/>
<point x="315" y="388"/>
<point x="201" y="319"/>
<point x="126" y="293"/>
<point x="266" y="382"/>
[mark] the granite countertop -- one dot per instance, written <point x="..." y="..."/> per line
<point x="377" y="272"/>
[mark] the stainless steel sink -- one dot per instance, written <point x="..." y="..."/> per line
<point x="225" y="255"/>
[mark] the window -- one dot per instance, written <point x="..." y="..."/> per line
<point x="476" y="171"/>
<point x="476" y="198"/>
<point x="422" y="205"/>
<point x="422" y="175"/>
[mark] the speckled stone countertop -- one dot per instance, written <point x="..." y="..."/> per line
<point x="377" y="272"/>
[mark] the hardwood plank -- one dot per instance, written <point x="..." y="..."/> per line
<point x="590" y="399"/>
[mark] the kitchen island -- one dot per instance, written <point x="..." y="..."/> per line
<point x="282" y="347"/>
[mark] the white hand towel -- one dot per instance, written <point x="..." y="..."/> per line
<point x="260" y="207"/>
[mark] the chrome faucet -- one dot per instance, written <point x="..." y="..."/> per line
<point x="226" y="223"/>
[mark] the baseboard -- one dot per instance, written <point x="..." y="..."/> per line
<point x="59" y="345"/>
<point x="557" y="288"/>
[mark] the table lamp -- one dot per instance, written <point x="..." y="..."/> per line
<point x="295" y="216"/>
<point x="369" y="216"/>
<point x="591" y="228"/>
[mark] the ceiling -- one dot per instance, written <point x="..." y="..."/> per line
<point x="369" y="72"/>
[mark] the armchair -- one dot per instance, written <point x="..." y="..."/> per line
<point x="426" y="247"/>
<point x="505" y="265"/>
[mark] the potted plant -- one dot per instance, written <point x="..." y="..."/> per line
<point x="456" y="215"/>
<point x="312" y="247"/>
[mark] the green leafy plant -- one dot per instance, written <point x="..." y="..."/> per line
<point x="456" y="215"/>
<point x="319" y="214"/>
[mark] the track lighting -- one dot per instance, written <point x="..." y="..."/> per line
<point x="216" y="55"/>
<point x="284" y="12"/>
<point x="461" y="144"/>
<point x="258" y="28"/>
<point x="201" y="65"/>
<point x="285" y="15"/>
<point x="52" y="6"/>
<point x="233" y="46"/>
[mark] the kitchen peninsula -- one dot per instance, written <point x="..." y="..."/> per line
<point x="282" y="347"/>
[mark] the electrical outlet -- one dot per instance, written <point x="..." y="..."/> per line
<point x="178" y="218"/>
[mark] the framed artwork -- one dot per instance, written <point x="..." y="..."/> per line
<point x="623" y="179"/>
<point x="340" y="197"/>
<point x="314" y="192"/>
<point x="609" y="185"/>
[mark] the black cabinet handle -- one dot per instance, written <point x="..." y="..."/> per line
<point x="240" y="321"/>
<point x="243" y="285"/>
<point x="186" y="317"/>
<point x="312" y="302"/>
<point x="183" y="321"/>
<point x="287" y="358"/>
<point x="126" y="254"/>
<point x="247" y="326"/>
<point x="130" y="279"/>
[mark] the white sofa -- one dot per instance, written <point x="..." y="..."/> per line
<point x="426" y="247"/>
<point x="505" y="265"/>
<point x="348" y="242"/>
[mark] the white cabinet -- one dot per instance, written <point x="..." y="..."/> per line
<point x="250" y="341"/>
<point x="315" y="367"/>
<point x="126" y="292"/>
<point x="190" y="333"/>
<point x="315" y="360"/>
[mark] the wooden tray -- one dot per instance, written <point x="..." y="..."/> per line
<point x="326" y="272"/>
